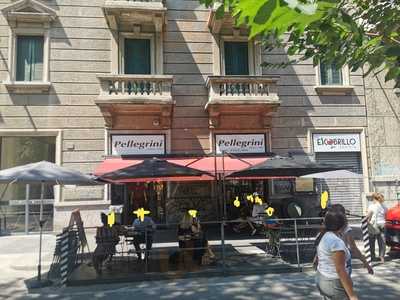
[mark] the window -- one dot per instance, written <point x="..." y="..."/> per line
<point x="236" y="55"/>
<point x="137" y="56"/>
<point x="20" y="150"/>
<point x="330" y="74"/>
<point x="16" y="151"/>
<point x="29" y="46"/>
<point x="29" y="58"/>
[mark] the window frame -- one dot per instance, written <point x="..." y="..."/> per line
<point x="14" y="33"/>
<point x="121" y="51"/>
<point x="19" y="38"/>
<point x="333" y="90"/>
<point x="345" y="77"/>
<point x="254" y="54"/>
<point x="57" y="133"/>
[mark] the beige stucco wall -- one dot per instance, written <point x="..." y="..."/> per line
<point x="81" y="48"/>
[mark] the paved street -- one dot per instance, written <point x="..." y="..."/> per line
<point x="18" y="266"/>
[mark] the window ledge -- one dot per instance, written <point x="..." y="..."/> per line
<point x="334" y="89"/>
<point x="25" y="87"/>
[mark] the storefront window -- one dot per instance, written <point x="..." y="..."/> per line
<point x="17" y="151"/>
<point x="282" y="186"/>
<point x="21" y="150"/>
<point x="135" y="195"/>
<point x="191" y="195"/>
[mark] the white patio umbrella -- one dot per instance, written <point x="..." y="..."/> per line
<point x="337" y="174"/>
<point x="43" y="173"/>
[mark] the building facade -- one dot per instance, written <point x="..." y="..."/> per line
<point x="82" y="80"/>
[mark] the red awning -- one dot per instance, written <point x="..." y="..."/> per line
<point x="114" y="164"/>
<point x="207" y="164"/>
<point x="225" y="164"/>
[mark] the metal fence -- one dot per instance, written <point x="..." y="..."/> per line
<point x="277" y="245"/>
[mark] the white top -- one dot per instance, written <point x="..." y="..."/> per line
<point x="329" y="244"/>
<point x="378" y="211"/>
<point x="258" y="210"/>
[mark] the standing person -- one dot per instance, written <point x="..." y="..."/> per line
<point x="349" y="240"/>
<point x="376" y="225"/>
<point x="333" y="279"/>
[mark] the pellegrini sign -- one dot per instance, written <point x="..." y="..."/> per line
<point x="137" y="144"/>
<point x="336" y="142"/>
<point x="240" y="143"/>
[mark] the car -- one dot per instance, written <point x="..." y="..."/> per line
<point x="392" y="226"/>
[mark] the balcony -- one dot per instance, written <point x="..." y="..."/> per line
<point x="128" y="97"/>
<point x="241" y="96"/>
<point x="217" y="23"/>
<point x="123" y="14"/>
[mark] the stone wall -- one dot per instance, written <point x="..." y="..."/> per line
<point x="383" y="111"/>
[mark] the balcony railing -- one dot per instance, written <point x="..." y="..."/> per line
<point x="135" y="87"/>
<point x="243" y="89"/>
<point x="138" y="3"/>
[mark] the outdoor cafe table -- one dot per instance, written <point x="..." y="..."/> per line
<point x="129" y="234"/>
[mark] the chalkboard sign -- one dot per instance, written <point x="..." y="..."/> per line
<point x="77" y="220"/>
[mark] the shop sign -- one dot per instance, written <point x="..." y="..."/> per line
<point x="336" y="142"/>
<point x="137" y="144"/>
<point x="240" y="143"/>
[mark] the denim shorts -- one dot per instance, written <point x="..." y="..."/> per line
<point x="330" y="288"/>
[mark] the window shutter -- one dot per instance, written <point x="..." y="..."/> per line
<point x="29" y="58"/>
<point x="236" y="58"/>
<point x="137" y="56"/>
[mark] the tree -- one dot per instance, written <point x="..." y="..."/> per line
<point x="359" y="33"/>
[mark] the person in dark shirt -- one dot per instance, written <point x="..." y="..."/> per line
<point x="144" y="234"/>
<point x="106" y="239"/>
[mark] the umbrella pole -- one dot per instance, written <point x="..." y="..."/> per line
<point x="223" y="184"/>
<point x="27" y="191"/>
<point x="41" y="223"/>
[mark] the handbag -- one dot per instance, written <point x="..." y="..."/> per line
<point x="373" y="230"/>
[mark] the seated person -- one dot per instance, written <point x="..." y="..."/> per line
<point x="144" y="230"/>
<point x="244" y="221"/>
<point x="191" y="235"/>
<point x="106" y="239"/>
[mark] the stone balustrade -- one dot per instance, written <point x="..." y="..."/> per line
<point x="243" y="89"/>
<point x="135" y="87"/>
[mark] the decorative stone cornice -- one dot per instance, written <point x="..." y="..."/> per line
<point x="29" y="11"/>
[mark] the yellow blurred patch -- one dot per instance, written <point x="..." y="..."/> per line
<point x="250" y="198"/>
<point x="140" y="213"/>
<point x="236" y="203"/>
<point x="270" y="211"/>
<point x="324" y="199"/>
<point x="193" y="213"/>
<point x="111" y="219"/>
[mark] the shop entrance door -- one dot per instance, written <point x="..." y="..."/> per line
<point x="149" y="195"/>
